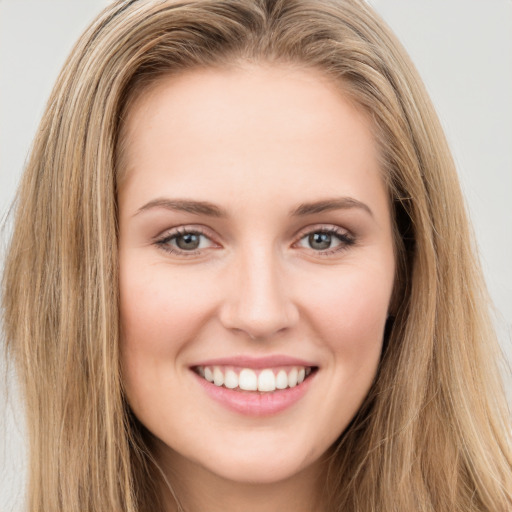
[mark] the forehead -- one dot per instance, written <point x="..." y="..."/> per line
<point x="245" y="125"/>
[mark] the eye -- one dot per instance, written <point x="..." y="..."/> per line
<point x="326" y="240"/>
<point x="188" y="241"/>
<point x="184" y="241"/>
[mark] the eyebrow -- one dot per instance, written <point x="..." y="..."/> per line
<point x="339" y="203"/>
<point x="184" y="205"/>
<point x="212" y="210"/>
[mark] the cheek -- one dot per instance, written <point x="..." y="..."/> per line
<point x="159" y="314"/>
<point x="159" y="308"/>
<point x="349" y="312"/>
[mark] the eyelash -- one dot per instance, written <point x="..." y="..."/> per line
<point x="346" y="240"/>
<point x="163" y="242"/>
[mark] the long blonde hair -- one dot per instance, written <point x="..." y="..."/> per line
<point x="433" y="434"/>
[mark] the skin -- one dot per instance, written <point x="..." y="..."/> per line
<point x="257" y="141"/>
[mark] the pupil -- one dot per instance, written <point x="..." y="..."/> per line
<point x="188" y="241"/>
<point x="320" y="241"/>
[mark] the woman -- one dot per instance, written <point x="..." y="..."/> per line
<point x="241" y="275"/>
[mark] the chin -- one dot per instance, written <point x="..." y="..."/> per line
<point x="262" y="471"/>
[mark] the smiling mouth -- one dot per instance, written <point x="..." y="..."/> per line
<point x="264" y="380"/>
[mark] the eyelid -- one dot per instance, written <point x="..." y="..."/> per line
<point x="161" y="240"/>
<point x="322" y="226"/>
<point x="346" y="237"/>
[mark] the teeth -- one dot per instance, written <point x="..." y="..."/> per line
<point x="208" y="374"/>
<point x="231" y="379"/>
<point x="265" y="380"/>
<point x="248" y="380"/>
<point x="218" y="376"/>
<point x="292" y="377"/>
<point x="281" y="380"/>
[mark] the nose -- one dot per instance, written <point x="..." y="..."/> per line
<point x="258" y="301"/>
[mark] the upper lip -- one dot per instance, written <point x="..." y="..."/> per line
<point x="256" y="362"/>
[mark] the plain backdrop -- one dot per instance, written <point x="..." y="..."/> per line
<point x="462" y="48"/>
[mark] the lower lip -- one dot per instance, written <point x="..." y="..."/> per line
<point x="253" y="403"/>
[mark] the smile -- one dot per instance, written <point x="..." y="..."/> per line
<point x="263" y="380"/>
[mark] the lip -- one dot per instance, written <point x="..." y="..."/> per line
<point x="256" y="362"/>
<point x="253" y="403"/>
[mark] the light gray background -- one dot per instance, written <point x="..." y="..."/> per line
<point x="462" y="48"/>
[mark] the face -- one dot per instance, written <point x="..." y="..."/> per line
<point x="256" y="268"/>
